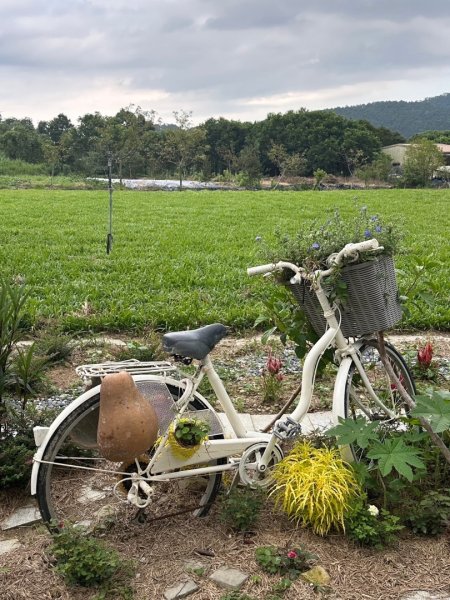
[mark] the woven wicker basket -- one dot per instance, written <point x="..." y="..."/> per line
<point x="372" y="299"/>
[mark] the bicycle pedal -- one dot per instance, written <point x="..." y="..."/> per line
<point x="287" y="429"/>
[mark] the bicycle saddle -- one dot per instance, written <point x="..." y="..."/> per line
<point x="196" y="343"/>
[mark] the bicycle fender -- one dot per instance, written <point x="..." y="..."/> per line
<point x="75" y="404"/>
<point x="339" y="390"/>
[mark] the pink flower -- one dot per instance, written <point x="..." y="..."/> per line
<point x="424" y="355"/>
<point x="292" y="554"/>
<point x="273" y="365"/>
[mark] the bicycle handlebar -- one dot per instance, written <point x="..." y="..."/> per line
<point x="271" y="267"/>
<point x="261" y="269"/>
<point x="350" y="250"/>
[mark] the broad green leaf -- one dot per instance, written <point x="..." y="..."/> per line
<point x="267" y="334"/>
<point x="434" y="407"/>
<point x="395" y="454"/>
<point x="260" y="319"/>
<point x="351" y="431"/>
<point x="427" y="298"/>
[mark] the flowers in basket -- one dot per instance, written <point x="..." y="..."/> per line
<point x="364" y="289"/>
<point x="316" y="241"/>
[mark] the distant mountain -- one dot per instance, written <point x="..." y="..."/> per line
<point x="408" y="118"/>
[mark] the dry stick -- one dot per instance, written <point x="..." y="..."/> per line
<point x="294" y="395"/>
<point x="407" y="398"/>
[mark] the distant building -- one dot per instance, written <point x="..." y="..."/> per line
<point x="397" y="153"/>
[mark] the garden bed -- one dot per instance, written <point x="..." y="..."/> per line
<point x="160" y="549"/>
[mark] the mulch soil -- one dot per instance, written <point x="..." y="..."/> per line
<point x="160" y="549"/>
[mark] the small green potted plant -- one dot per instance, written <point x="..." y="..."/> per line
<point x="365" y="289"/>
<point x="187" y="435"/>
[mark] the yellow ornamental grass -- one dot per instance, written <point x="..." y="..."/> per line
<point x="314" y="486"/>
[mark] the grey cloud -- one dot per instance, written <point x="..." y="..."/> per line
<point x="224" y="51"/>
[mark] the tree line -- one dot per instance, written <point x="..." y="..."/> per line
<point x="296" y="143"/>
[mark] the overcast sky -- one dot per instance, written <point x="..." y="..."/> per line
<point x="238" y="59"/>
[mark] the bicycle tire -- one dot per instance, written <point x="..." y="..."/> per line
<point x="379" y="378"/>
<point x="81" y="496"/>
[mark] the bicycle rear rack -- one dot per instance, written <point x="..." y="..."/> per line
<point x="132" y="366"/>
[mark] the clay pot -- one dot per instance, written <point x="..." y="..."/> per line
<point x="127" y="424"/>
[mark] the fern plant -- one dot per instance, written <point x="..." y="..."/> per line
<point x="314" y="486"/>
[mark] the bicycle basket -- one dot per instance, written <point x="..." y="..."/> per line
<point x="372" y="299"/>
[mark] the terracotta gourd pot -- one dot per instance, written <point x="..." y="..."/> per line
<point x="127" y="424"/>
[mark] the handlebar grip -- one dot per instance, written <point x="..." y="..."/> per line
<point x="363" y="246"/>
<point x="261" y="269"/>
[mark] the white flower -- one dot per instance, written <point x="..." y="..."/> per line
<point x="373" y="510"/>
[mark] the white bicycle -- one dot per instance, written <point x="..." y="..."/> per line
<point x="73" y="482"/>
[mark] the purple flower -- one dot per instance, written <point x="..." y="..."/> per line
<point x="367" y="234"/>
<point x="315" y="246"/>
<point x="378" y="228"/>
<point x="374" y="218"/>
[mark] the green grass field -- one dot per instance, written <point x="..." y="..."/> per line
<point x="179" y="259"/>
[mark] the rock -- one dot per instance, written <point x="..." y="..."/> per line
<point x="83" y="524"/>
<point x="317" y="576"/>
<point x="422" y="595"/>
<point x="8" y="545"/>
<point x="195" y="566"/>
<point x="228" y="578"/>
<point x="181" y="590"/>
<point x="88" y="495"/>
<point x="27" y="515"/>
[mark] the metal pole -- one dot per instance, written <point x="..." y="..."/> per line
<point x="109" y="237"/>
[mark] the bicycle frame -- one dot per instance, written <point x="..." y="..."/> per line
<point x="164" y="460"/>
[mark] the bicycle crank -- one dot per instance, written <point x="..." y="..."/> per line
<point x="248" y="466"/>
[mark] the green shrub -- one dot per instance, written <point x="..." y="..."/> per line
<point x="370" y="527"/>
<point x="20" y="167"/>
<point x="84" y="560"/>
<point x="55" y="345"/>
<point x="25" y="375"/>
<point x="283" y="561"/>
<point x="149" y="350"/>
<point x="297" y="493"/>
<point x="16" y="453"/>
<point x="241" y="508"/>
<point x="430" y="516"/>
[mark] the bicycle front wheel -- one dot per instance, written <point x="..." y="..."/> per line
<point x="76" y="484"/>
<point x="358" y="401"/>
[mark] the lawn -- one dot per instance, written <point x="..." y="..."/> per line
<point x="179" y="259"/>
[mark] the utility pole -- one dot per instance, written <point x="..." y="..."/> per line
<point x="109" y="237"/>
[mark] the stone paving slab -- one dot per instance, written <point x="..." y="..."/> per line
<point x="181" y="590"/>
<point x="27" y="515"/>
<point x="193" y="565"/>
<point x="227" y="429"/>
<point x="8" y="545"/>
<point x="229" y="578"/>
<point x="311" y="422"/>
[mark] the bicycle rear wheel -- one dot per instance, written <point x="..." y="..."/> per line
<point x="359" y="403"/>
<point x="76" y="484"/>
